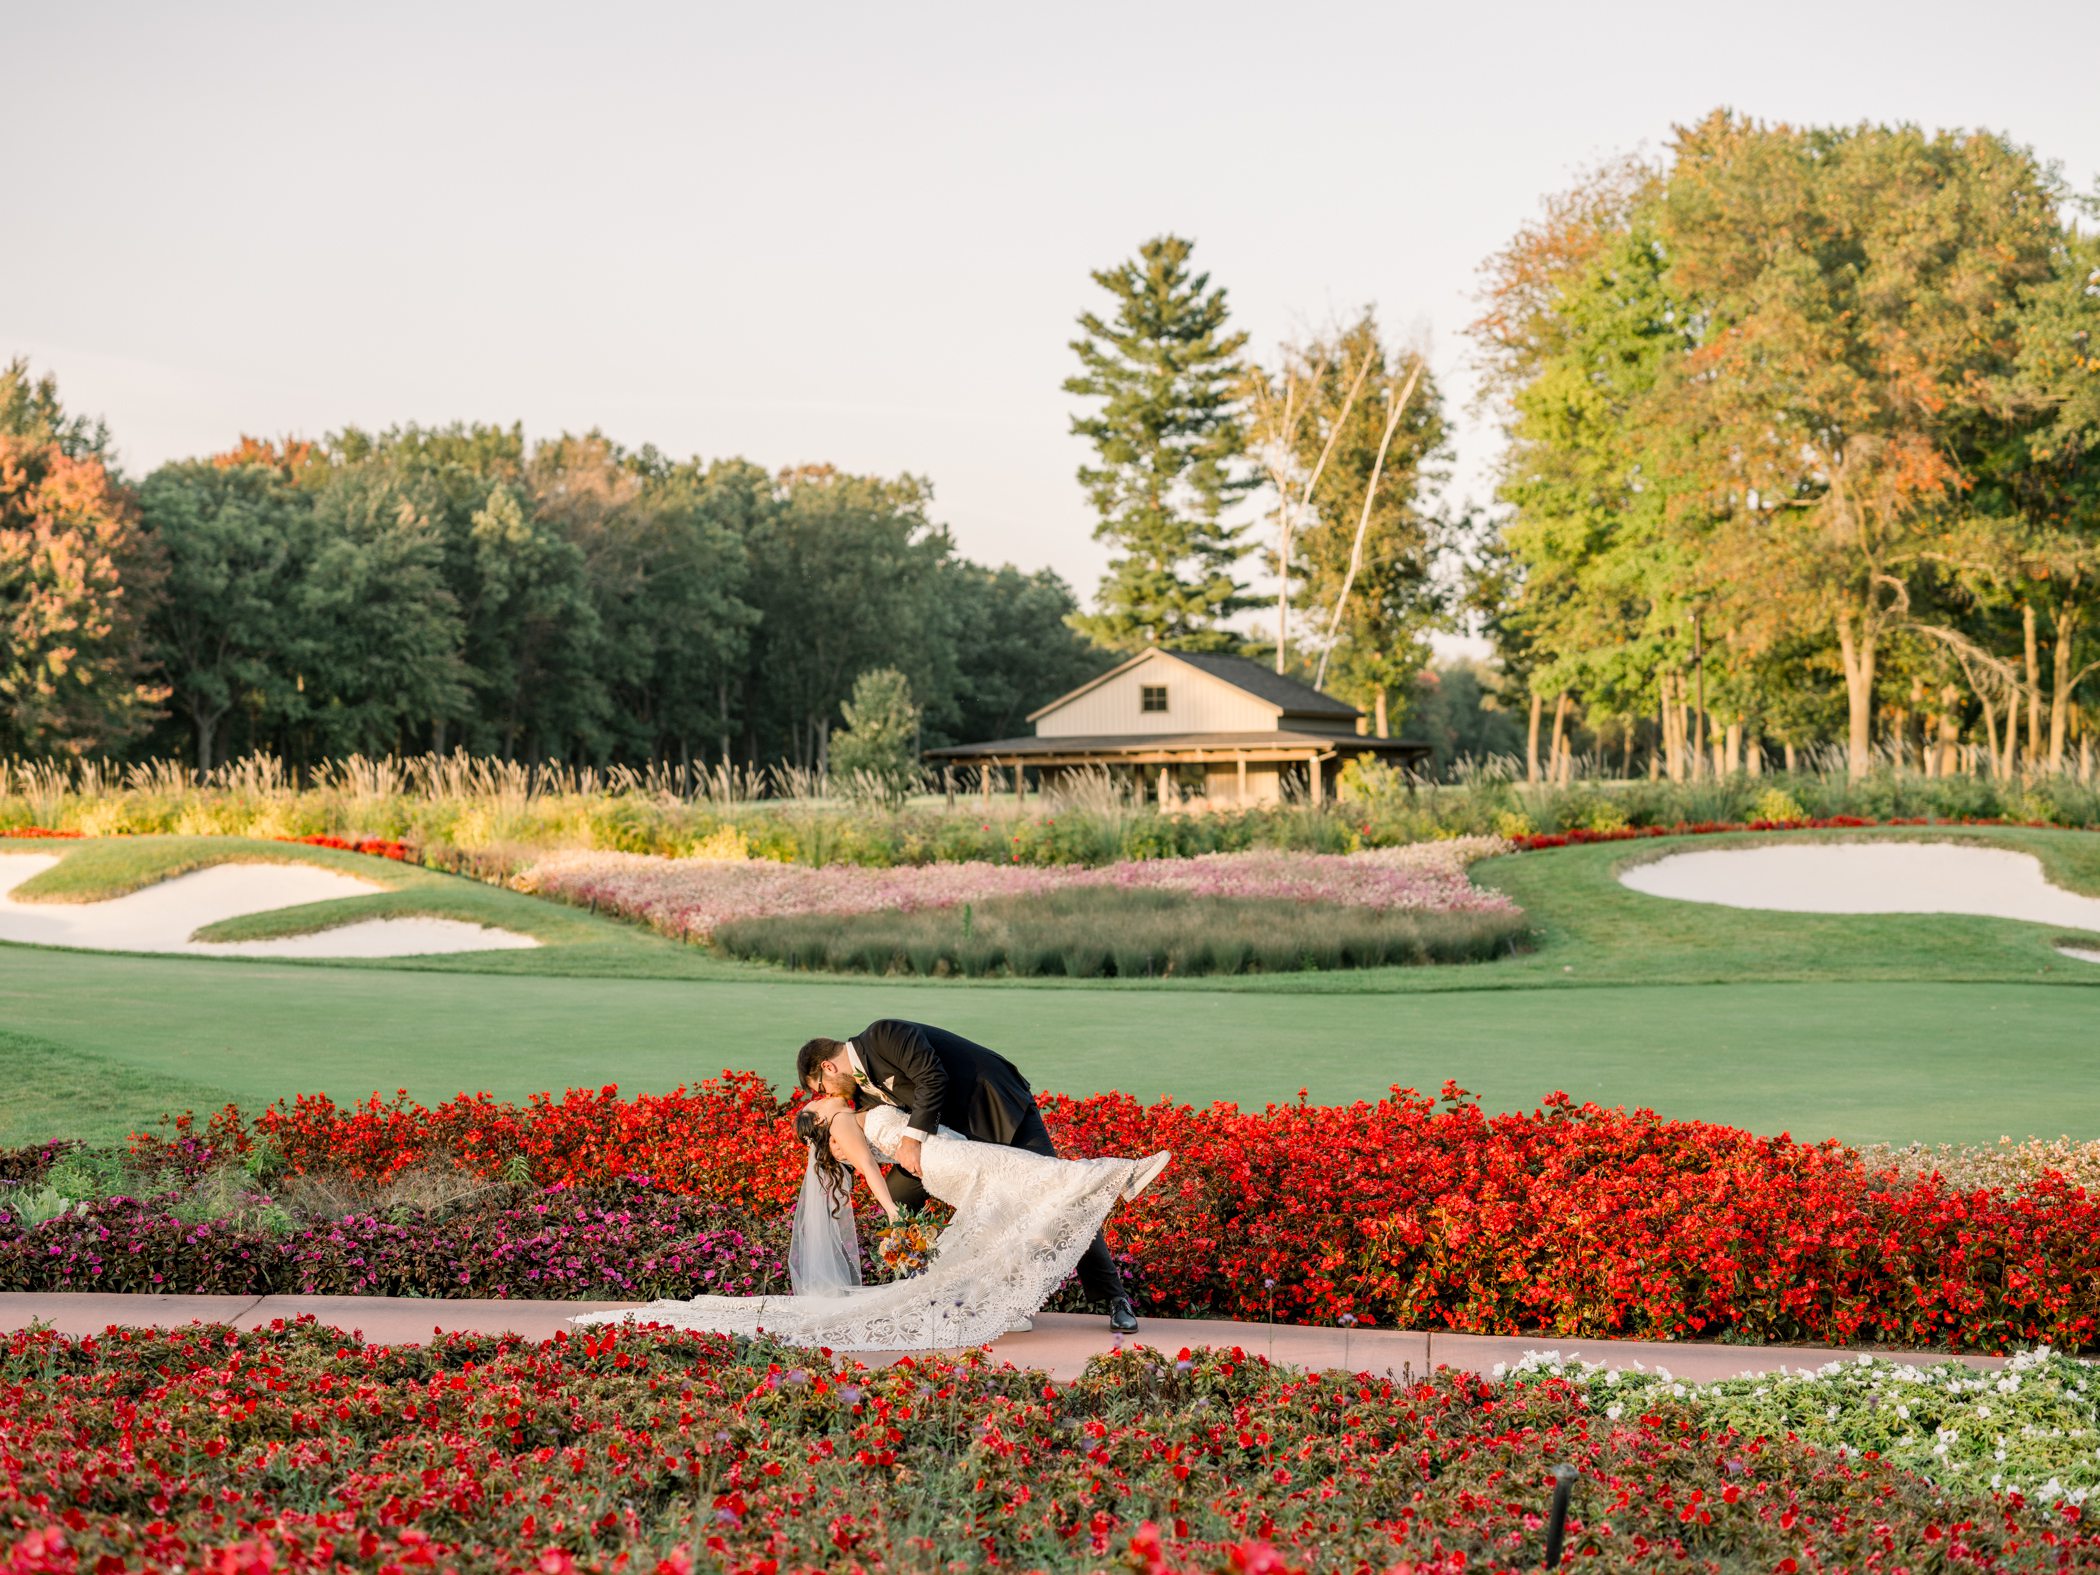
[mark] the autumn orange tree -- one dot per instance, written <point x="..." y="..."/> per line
<point x="1763" y="386"/>
<point x="1854" y="292"/>
<point x="77" y="581"/>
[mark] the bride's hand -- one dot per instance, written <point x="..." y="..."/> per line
<point x="893" y="1211"/>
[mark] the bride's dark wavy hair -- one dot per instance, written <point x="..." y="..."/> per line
<point x="831" y="1170"/>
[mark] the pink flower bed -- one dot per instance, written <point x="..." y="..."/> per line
<point x="691" y="898"/>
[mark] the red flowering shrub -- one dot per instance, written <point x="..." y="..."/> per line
<point x="32" y="832"/>
<point x="1708" y="828"/>
<point x="297" y="1448"/>
<point x="377" y="847"/>
<point x="1571" y="1220"/>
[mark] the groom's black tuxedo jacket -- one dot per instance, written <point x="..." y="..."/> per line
<point x="944" y="1079"/>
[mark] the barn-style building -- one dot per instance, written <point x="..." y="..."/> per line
<point x="1184" y="726"/>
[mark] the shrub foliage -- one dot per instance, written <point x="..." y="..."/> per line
<point x="1105" y="933"/>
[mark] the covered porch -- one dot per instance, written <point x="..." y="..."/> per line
<point x="1175" y="772"/>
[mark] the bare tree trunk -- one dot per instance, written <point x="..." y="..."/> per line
<point x="2012" y="737"/>
<point x="1732" y="749"/>
<point x="1793" y="763"/>
<point x="1856" y="650"/>
<point x="1399" y="398"/>
<point x="1531" y="739"/>
<point x="1560" y="727"/>
<point x="1990" y="735"/>
<point x="2060" y="687"/>
<point x="1754" y="755"/>
<point x="2034" y="682"/>
<point x="1383" y="731"/>
<point x="1950" y="731"/>
<point x="1673" y="726"/>
<point x="207" y="726"/>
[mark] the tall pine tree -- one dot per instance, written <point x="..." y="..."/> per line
<point x="1166" y="437"/>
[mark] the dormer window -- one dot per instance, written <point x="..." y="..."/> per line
<point x="1153" y="697"/>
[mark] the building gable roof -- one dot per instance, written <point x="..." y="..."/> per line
<point x="1287" y="695"/>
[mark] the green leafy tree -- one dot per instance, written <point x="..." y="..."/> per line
<point x="1167" y="437"/>
<point x="238" y="542"/>
<point x="847" y="574"/>
<point x="381" y="631"/>
<point x="1586" y="592"/>
<point x="664" y="567"/>
<point x="1016" y="650"/>
<point x="879" y="750"/>
<point x="538" y="689"/>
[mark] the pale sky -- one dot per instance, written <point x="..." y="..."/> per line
<point x="855" y="233"/>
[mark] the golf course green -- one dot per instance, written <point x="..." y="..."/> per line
<point x="1866" y="1028"/>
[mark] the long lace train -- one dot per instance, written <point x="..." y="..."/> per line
<point x="1021" y="1223"/>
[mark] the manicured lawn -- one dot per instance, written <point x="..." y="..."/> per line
<point x="123" y="1038"/>
<point x="1929" y="1027"/>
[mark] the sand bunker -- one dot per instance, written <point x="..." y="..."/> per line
<point x="1870" y="877"/>
<point x="163" y="917"/>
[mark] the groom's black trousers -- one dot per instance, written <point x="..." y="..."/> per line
<point x="1097" y="1270"/>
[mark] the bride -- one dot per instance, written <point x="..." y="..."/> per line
<point x="1021" y="1222"/>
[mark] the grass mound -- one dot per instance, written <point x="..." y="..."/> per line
<point x="1113" y="934"/>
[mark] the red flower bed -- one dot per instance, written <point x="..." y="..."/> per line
<point x="1708" y="828"/>
<point x="30" y="833"/>
<point x="1571" y="1220"/>
<point x="296" y="1449"/>
<point x="377" y="847"/>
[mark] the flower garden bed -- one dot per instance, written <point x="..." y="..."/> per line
<point x="301" y="1449"/>
<point x="1583" y="837"/>
<point x="692" y="898"/>
<point x="1568" y="1221"/>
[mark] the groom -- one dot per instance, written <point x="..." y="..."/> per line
<point x="940" y="1078"/>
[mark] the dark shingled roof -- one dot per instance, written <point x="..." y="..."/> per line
<point x="1296" y="699"/>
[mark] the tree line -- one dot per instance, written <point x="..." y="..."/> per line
<point x="461" y="587"/>
<point x="1804" y="446"/>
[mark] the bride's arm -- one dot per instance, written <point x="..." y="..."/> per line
<point x="850" y="1144"/>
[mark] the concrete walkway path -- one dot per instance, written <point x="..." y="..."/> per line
<point x="1059" y="1345"/>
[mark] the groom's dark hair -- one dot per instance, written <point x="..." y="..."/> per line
<point x="813" y="1055"/>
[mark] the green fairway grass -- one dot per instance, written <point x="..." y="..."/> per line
<point x="1896" y="1027"/>
<point x="1860" y="1061"/>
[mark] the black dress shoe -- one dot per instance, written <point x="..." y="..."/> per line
<point x="1122" y="1317"/>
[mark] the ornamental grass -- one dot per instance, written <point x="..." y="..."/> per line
<point x="299" y="1448"/>
<point x="1122" y="934"/>
<point x="1566" y="1221"/>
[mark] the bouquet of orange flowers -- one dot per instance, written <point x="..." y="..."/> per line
<point x="905" y="1245"/>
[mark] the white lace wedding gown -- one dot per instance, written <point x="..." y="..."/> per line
<point x="1021" y="1222"/>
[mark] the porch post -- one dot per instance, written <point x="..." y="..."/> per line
<point x="1319" y="782"/>
<point x="1243" y="779"/>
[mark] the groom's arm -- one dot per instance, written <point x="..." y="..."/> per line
<point x="907" y="1046"/>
